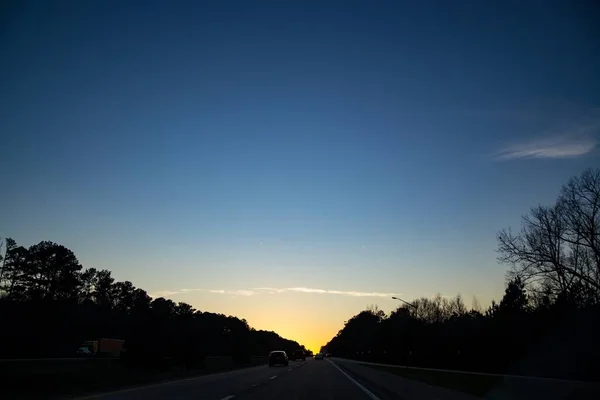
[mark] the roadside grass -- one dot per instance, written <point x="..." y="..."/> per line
<point x="477" y="385"/>
<point x="60" y="379"/>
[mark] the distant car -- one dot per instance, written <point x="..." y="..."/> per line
<point x="328" y="355"/>
<point x="84" y="351"/>
<point x="299" y="355"/>
<point x="319" y="356"/>
<point x="278" y="357"/>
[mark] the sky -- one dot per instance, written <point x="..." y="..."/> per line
<point x="292" y="162"/>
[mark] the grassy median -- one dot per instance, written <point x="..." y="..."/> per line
<point x="477" y="385"/>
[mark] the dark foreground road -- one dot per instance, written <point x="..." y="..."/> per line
<point x="300" y="380"/>
<point x="312" y="380"/>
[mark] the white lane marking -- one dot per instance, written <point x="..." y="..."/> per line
<point x="228" y="397"/>
<point x="289" y="369"/>
<point x="364" y="389"/>
<point x="273" y="377"/>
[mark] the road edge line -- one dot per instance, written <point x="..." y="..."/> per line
<point x="361" y="387"/>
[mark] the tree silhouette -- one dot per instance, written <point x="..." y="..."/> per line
<point x="14" y="261"/>
<point x="558" y="248"/>
<point x="50" y="305"/>
<point x="515" y="297"/>
<point x="552" y="295"/>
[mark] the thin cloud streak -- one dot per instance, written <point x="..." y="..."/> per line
<point x="164" y="293"/>
<point x="269" y="290"/>
<point x="548" y="148"/>
<point x="325" y="291"/>
<point x="575" y="141"/>
<point x="234" y="292"/>
<point x="169" y="293"/>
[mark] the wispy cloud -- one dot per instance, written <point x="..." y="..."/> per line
<point x="544" y="128"/>
<point x="564" y="130"/>
<point x="164" y="293"/>
<point x="556" y="147"/>
<point x="169" y="293"/>
<point x="325" y="291"/>
<point x="270" y="290"/>
<point x="234" y="292"/>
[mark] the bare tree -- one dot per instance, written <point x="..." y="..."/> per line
<point x="558" y="247"/>
<point x="437" y="309"/>
<point x="475" y="305"/>
<point x="455" y="306"/>
<point x="1" y="261"/>
<point x="580" y="206"/>
<point x="376" y="311"/>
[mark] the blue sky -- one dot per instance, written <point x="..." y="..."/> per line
<point x="356" y="148"/>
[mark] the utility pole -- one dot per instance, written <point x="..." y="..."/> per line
<point x="405" y="302"/>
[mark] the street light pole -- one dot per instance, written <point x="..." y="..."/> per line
<point x="405" y="302"/>
<point x="410" y="304"/>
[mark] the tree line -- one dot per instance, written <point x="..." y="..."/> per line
<point x="545" y="324"/>
<point x="50" y="304"/>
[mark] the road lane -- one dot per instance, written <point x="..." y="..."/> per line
<point x="216" y="386"/>
<point x="315" y="380"/>
<point x="300" y="380"/>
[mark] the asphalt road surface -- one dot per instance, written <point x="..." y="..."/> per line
<point x="312" y="380"/>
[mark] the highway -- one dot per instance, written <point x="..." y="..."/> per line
<point x="311" y="379"/>
<point x="300" y="380"/>
<point x="318" y="379"/>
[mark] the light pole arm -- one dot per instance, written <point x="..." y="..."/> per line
<point x="405" y="302"/>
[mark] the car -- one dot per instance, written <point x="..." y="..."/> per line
<point x="299" y="355"/>
<point x="278" y="357"/>
<point x="84" y="351"/>
<point x="319" y="356"/>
